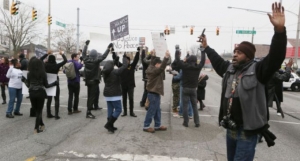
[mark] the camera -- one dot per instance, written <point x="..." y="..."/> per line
<point x="227" y="123"/>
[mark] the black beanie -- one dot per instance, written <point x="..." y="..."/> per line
<point x="247" y="48"/>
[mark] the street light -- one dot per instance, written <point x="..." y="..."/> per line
<point x="298" y="27"/>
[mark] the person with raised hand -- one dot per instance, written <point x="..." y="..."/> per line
<point x="243" y="108"/>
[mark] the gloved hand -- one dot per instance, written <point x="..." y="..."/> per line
<point x="56" y="83"/>
<point x="111" y="45"/>
<point x="138" y="49"/>
<point x="23" y="79"/>
<point x="124" y="56"/>
<point x="87" y="42"/>
<point x="112" y="49"/>
<point x="81" y="59"/>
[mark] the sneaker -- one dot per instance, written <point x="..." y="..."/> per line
<point x="278" y="113"/>
<point x="70" y="113"/>
<point x="197" y="125"/>
<point x="9" y="116"/>
<point x="176" y="115"/>
<point x="76" y="111"/>
<point x="90" y="116"/>
<point x="150" y="130"/>
<point x="18" y="114"/>
<point x="57" y="117"/>
<point x="191" y="117"/>
<point x="161" y="128"/>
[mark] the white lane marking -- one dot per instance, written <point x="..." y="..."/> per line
<point x="132" y="157"/>
<point x="285" y="122"/>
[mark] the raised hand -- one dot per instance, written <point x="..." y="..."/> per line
<point x="167" y="55"/>
<point x="87" y="42"/>
<point x="290" y="63"/>
<point x="111" y="45"/>
<point x="277" y="18"/>
<point x="204" y="40"/>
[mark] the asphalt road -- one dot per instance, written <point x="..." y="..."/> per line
<point x="75" y="138"/>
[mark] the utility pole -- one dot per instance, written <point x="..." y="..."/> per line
<point x="252" y="35"/>
<point x="297" y="39"/>
<point x="77" y="48"/>
<point x="49" y="28"/>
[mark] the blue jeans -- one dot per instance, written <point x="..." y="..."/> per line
<point x="181" y="105"/>
<point x="153" y="111"/>
<point x="239" y="146"/>
<point x="114" y="108"/>
<point x="13" y="94"/>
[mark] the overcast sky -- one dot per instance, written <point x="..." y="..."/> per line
<point x="146" y="16"/>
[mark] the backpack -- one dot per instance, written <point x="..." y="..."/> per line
<point x="70" y="70"/>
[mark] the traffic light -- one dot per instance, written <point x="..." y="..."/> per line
<point x="165" y="31"/>
<point x="168" y="32"/>
<point x="217" y="31"/>
<point x="14" y="9"/>
<point x="49" y="20"/>
<point x="34" y="14"/>
<point x="192" y="30"/>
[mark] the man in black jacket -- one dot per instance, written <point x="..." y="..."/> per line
<point x="128" y="81"/>
<point x="92" y="74"/>
<point x="52" y="67"/>
<point x="275" y="85"/>
<point x="145" y="66"/>
<point x="243" y="109"/>
<point x="23" y="61"/>
<point x="190" y="74"/>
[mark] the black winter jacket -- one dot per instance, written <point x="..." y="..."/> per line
<point x="91" y="66"/>
<point x="127" y="76"/>
<point x="112" y="78"/>
<point x="190" y="72"/>
<point x="53" y="67"/>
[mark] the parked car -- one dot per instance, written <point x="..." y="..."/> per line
<point x="293" y="83"/>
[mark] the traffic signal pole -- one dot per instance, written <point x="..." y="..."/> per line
<point x="77" y="48"/>
<point x="49" y="27"/>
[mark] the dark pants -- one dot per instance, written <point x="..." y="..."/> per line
<point x="190" y="94"/>
<point x="38" y="103"/>
<point x="3" y="92"/>
<point x="127" y="90"/>
<point x="92" y="94"/>
<point x="96" y="103"/>
<point x="56" y="99"/>
<point x="143" y="101"/>
<point x="74" y="89"/>
<point x="240" y="146"/>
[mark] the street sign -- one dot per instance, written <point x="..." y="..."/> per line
<point x="60" y="24"/>
<point x="245" y="32"/>
<point x="119" y="28"/>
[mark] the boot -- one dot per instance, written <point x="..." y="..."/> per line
<point x="56" y="113"/>
<point x="113" y="126"/>
<point x="124" y="112"/>
<point x="49" y="115"/>
<point x="4" y="99"/>
<point x="109" y="125"/>
<point x="131" y="108"/>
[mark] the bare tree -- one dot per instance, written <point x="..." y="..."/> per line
<point x="20" y="28"/>
<point x="65" y="39"/>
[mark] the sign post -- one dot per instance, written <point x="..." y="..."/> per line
<point x="119" y="28"/>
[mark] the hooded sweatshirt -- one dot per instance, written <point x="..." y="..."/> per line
<point x="112" y="79"/>
<point x="51" y="66"/>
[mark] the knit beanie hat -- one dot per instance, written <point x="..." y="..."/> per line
<point x="247" y="48"/>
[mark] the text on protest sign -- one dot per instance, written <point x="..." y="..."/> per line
<point x="119" y="28"/>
